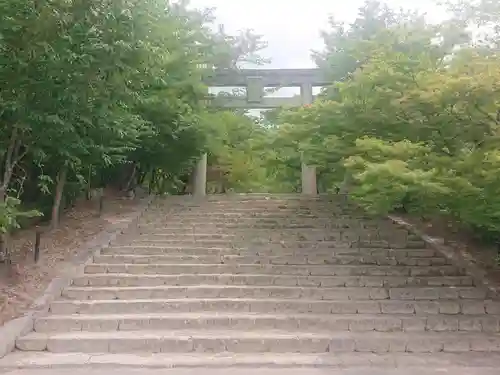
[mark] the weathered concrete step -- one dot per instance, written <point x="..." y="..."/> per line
<point x="230" y="219"/>
<point x="464" y="363"/>
<point x="190" y="234"/>
<point x="285" y="292"/>
<point x="267" y="251"/>
<point x="260" y="207"/>
<point x="189" y="242"/>
<point x="388" y="244"/>
<point x="219" y="341"/>
<point x="119" y="279"/>
<point x="236" y="208"/>
<point x="272" y="269"/>
<point x="206" y="225"/>
<point x="257" y="214"/>
<point x="215" y="232"/>
<point x="267" y="306"/>
<point x="239" y="225"/>
<point x="249" y="237"/>
<point x="271" y="237"/>
<point x="288" y="198"/>
<point x="245" y="224"/>
<point x="358" y="259"/>
<point x="207" y="229"/>
<point x="252" y="322"/>
<point x="309" y="235"/>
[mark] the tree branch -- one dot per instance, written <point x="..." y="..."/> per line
<point x="8" y="163"/>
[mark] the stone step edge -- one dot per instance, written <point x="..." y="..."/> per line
<point x="89" y="280"/>
<point x="39" y="360"/>
<point x="268" y="334"/>
<point x="437" y="323"/>
<point x="249" y="300"/>
<point x="488" y="308"/>
<point x="243" y="315"/>
<point x="191" y="340"/>
<point x="264" y="249"/>
<point x="250" y="287"/>
<point x="463" y="293"/>
<point x="131" y="275"/>
<point x="285" y="256"/>
<point x="267" y="265"/>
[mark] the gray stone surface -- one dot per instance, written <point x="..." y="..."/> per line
<point x="16" y="328"/>
<point x="260" y="371"/>
<point x="255" y="280"/>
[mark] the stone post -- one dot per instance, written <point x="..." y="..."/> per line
<point x="309" y="178"/>
<point x="200" y="177"/>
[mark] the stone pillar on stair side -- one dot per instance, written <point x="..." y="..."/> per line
<point x="309" y="177"/>
<point x="200" y="177"/>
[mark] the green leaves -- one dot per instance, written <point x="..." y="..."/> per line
<point x="413" y="118"/>
<point x="10" y="213"/>
<point x="110" y="90"/>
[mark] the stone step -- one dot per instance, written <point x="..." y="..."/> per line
<point x="263" y="244"/>
<point x="285" y="292"/>
<point x="184" y="341"/>
<point x="316" y="323"/>
<point x="267" y="251"/>
<point x="249" y="238"/>
<point x="388" y="244"/>
<point x="271" y="235"/>
<point x="273" y="269"/>
<point x="350" y="240"/>
<point x="228" y="218"/>
<point x="261" y="275"/>
<point x="214" y="232"/>
<point x="119" y="279"/>
<point x="166" y="228"/>
<point x="267" y="306"/>
<point x="256" y="214"/>
<point x="358" y="259"/>
<point x="239" y="227"/>
<point x="191" y="234"/>
<point x="266" y="208"/>
<point x="353" y="239"/>
<point x="250" y="223"/>
<point x="349" y="363"/>
<point x="187" y="242"/>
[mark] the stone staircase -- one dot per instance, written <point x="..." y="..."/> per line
<point x="255" y="279"/>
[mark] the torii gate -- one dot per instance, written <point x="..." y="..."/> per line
<point x="255" y="80"/>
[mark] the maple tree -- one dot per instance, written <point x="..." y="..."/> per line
<point x="102" y="92"/>
<point x="412" y="119"/>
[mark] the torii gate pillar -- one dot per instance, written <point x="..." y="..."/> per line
<point x="200" y="177"/>
<point x="309" y="178"/>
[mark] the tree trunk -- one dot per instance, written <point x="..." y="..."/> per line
<point x="88" y="193"/>
<point x="61" y="181"/>
<point x="130" y="183"/>
<point x="9" y="163"/>
<point x="152" y="181"/>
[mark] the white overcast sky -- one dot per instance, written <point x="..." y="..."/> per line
<point x="292" y="27"/>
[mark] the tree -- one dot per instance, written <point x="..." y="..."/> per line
<point x="413" y="121"/>
<point x="102" y="92"/>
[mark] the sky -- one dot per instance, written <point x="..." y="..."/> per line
<point x="292" y="27"/>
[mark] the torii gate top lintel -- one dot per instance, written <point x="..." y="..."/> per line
<point x="268" y="77"/>
<point x="255" y="80"/>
